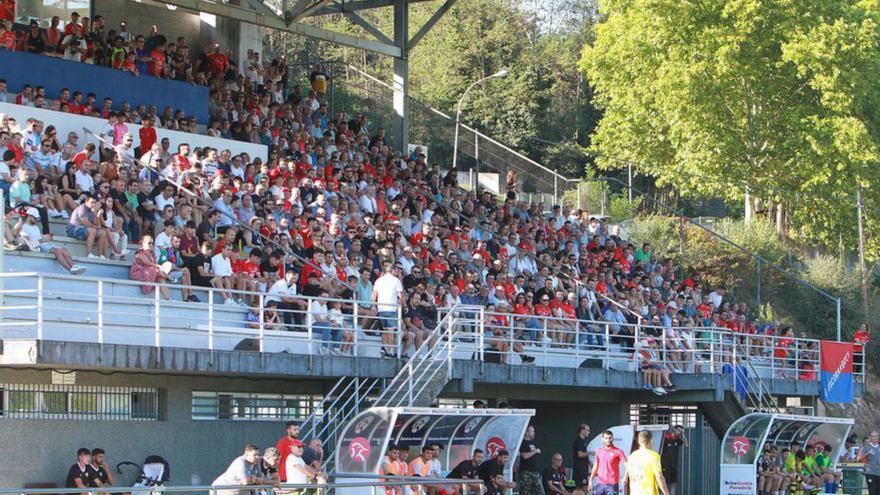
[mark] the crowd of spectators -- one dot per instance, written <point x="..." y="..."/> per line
<point x="247" y="101"/>
<point x="342" y="214"/>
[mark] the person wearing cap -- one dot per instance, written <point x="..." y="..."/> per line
<point x="31" y="235"/>
<point x="295" y="468"/>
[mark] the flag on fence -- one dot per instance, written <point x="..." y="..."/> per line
<point x="836" y="380"/>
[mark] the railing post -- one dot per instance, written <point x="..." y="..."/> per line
<point x="157" y="326"/>
<point x="262" y="323"/>
<point x="449" y="337"/>
<point x="101" y="313"/>
<point x="607" y="346"/>
<point x="211" y="323"/>
<point x="354" y="330"/>
<point x="409" y="383"/>
<point x="39" y="306"/>
<point x="309" y="326"/>
<point x="712" y="351"/>
<point x="398" y="338"/>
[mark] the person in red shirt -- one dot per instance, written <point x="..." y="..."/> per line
<point x="290" y="438"/>
<point x="158" y="59"/>
<point x="7" y="37"/>
<point x="217" y="60"/>
<point x="860" y="339"/>
<point x="74" y="21"/>
<point x="147" y="133"/>
<point x="7" y="10"/>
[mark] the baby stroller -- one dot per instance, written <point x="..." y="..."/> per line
<point x="155" y="472"/>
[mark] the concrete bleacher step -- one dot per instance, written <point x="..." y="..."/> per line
<point x="19" y="261"/>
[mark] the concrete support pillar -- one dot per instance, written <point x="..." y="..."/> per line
<point x="401" y="75"/>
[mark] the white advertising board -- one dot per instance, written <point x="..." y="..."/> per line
<point x="738" y="479"/>
<point x="68" y="122"/>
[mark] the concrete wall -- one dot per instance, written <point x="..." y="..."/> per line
<point x="197" y="451"/>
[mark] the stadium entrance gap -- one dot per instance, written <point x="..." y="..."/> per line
<point x="745" y="439"/>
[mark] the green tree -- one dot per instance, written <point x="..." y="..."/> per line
<point x="723" y="97"/>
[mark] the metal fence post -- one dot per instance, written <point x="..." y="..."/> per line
<point x="210" y="324"/>
<point x="101" y="314"/>
<point x="354" y="330"/>
<point x="39" y="307"/>
<point x="157" y="326"/>
<point x="262" y="324"/>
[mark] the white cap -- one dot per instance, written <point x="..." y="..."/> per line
<point x="33" y="212"/>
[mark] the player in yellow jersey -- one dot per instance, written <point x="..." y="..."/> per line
<point x="644" y="475"/>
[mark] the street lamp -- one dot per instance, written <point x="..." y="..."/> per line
<point x="499" y="74"/>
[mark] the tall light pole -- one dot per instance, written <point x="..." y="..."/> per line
<point x="500" y="73"/>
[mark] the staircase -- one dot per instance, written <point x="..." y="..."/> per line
<point x="417" y="384"/>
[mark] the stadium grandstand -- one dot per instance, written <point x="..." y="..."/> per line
<point x="198" y="250"/>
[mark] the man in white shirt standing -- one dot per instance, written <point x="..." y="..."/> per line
<point x="388" y="296"/>
<point x="297" y="471"/>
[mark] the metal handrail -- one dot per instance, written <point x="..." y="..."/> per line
<point x="211" y="489"/>
<point x="417" y="362"/>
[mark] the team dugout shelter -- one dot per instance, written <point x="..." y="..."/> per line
<point x="745" y="440"/>
<point x="365" y="440"/>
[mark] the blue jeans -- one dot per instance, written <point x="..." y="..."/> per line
<point x="532" y="329"/>
<point x="590" y="336"/>
<point x="330" y="335"/>
<point x="132" y="229"/>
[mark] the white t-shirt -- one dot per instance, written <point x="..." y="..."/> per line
<point x="84" y="181"/>
<point x="161" y="201"/>
<point x="70" y="52"/>
<point x="4" y="171"/>
<point x="318" y="312"/>
<point x="221" y="266"/>
<point x="32" y="234"/>
<point x="295" y="476"/>
<point x="388" y="289"/>
<point x="280" y="290"/>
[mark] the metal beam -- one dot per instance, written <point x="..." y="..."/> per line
<point x="354" y="6"/>
<point x="302" y="9"/>
<point x="401" y="74"/>
<point x="430" y="24"/>
<point x="360" y="21"/>
<point x="274" y="22"/>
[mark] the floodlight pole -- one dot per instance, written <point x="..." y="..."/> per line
<point x="501" y="73"/>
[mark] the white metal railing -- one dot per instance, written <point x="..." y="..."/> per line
<point x="687" y="350"/>
<point x="431" y="361"/>
<point x="65" y="307"/>
<point x="103" y="311"/>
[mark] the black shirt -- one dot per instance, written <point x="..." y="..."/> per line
<point x="580" y="466"/>
<point x="310" y="456"/>
<point x="204" y="228"/>
<point x="488" y="469"/>
<point x="98" y="473"/>
<point x="85" y="474"/>
<point x="554" y="477"/>
<point x="268" y="471"/>
<point x="464" y="470"/>
<point x="669" y="454"/>
<point x="197" y="278"/>
<point x="530" y="464"/>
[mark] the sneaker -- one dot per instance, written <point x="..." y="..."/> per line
<point x="91" y="256"/>
<point x="76" y="269"/>
<point x="229" y="302"/>
<point x="659" y="391"/>
<point x="671" y="388"/>
<point x="54" y="213"/>
<point x="64" y="214"/>
<point x="193" y="298"/>
<point x="335" y="352"/>
<point x="102" y="257"/>
<point x="647" y="386"/>
<point x="527" y="359"/>
<point x="323" y="351"/>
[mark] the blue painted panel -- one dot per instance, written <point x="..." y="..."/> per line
<point x="19" y="68"/>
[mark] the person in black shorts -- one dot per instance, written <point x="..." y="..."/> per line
<point x="672" y="443"/>
<point x="79" y="475"/>
<point x="580" y="468"/>
<point x="102" y="475"/>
